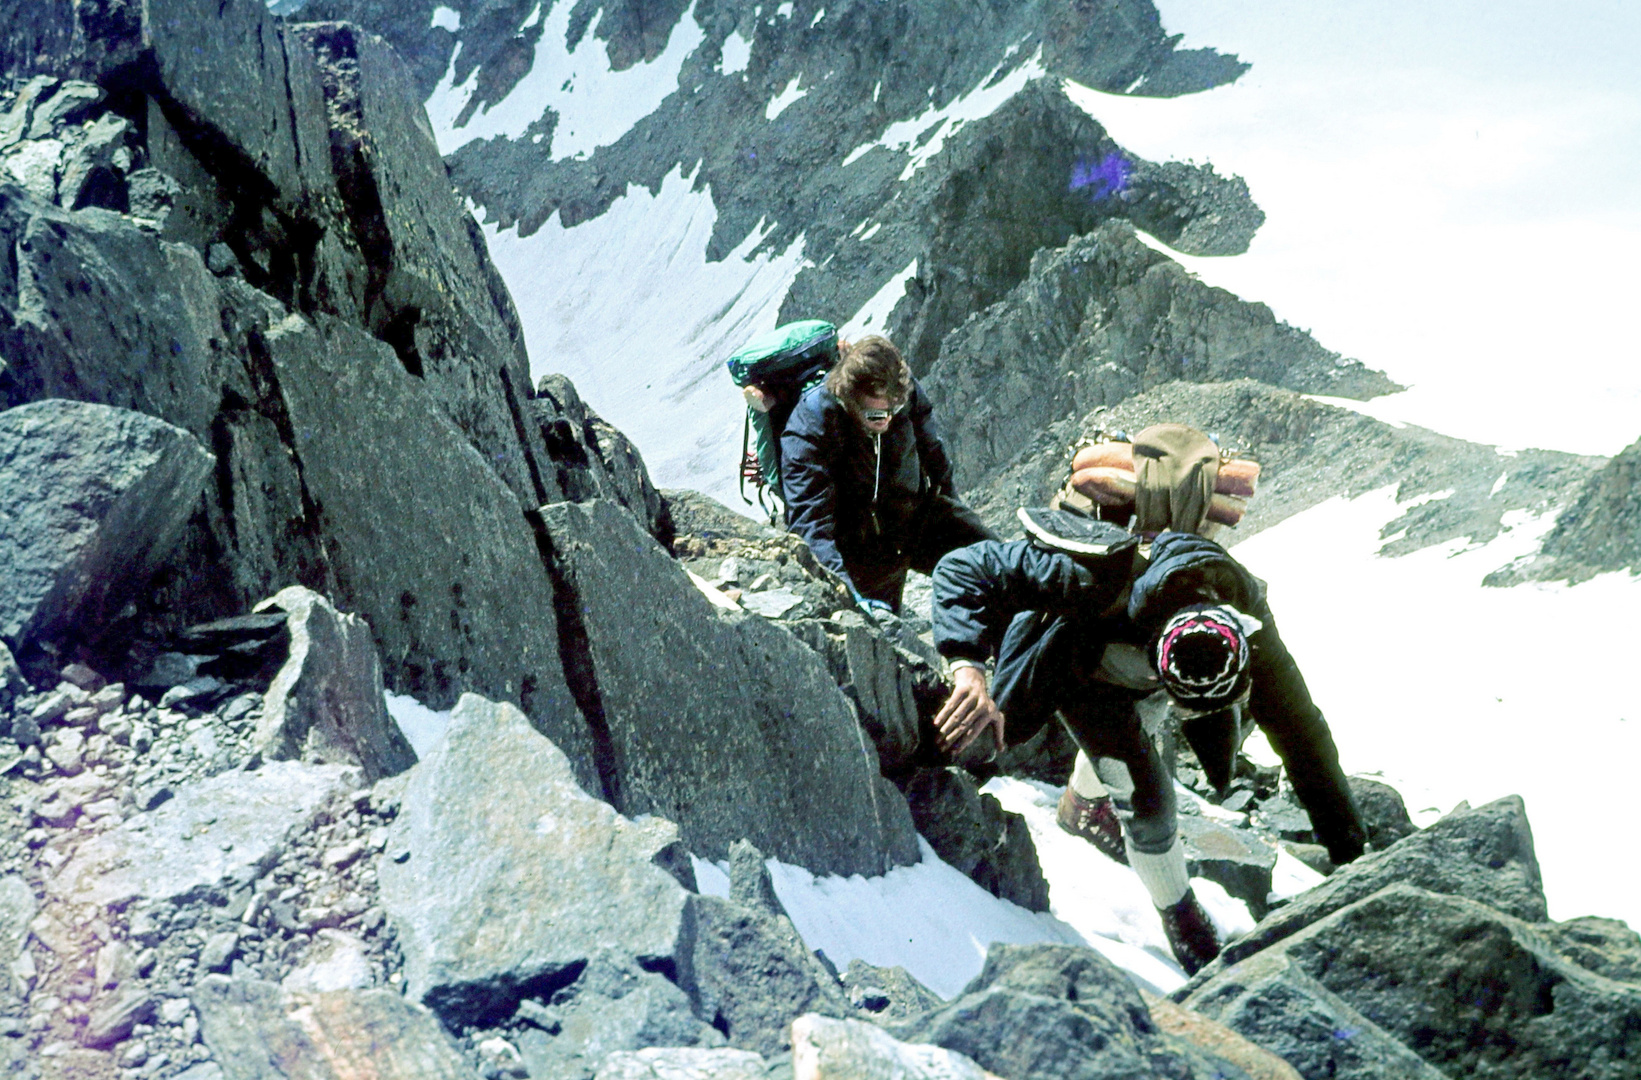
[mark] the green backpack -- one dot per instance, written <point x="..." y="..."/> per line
<point x="783" y="363"/>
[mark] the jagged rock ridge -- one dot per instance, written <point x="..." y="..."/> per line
<point x="1035" y="172"/>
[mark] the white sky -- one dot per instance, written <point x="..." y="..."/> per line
<point x="1453" y="194"/>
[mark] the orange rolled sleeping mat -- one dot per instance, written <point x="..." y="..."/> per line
<point x="1104" y="472"/>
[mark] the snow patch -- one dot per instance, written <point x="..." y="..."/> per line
<point x="447" y="18"/>
<point x="737" y="53"/>
<point x="595" y="106"/>
<point x="1381" y="409"/>
<point x="1103" y="900"/>
<point x="925" y="135"/>
<point x="819" y="15"/>
<point x="1446" y="686"/>
<point x="874" y="314"/>
<point x="421" y="726"/>
<point x="785" y="99"/>
<point x="628" y="307"/>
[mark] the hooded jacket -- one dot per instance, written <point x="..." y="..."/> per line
<point x="854" y="497"/>
<point x="1048" y="616"/>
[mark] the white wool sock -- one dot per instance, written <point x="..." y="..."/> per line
<point x="1163" y="874"/>
<point x="1085" y="781"/>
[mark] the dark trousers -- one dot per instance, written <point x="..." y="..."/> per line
<point x="1103" y="722"/>
<point x="942" y="524"/>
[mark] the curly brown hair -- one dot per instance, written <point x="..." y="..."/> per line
<point x="871" y="367"/>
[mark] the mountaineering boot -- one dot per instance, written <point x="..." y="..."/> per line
<point x="1190" y="933"/>
<point x="1095" y="820"/>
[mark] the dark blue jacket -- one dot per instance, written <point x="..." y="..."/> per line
<point x="852" y="497"/>
<point x="1047" y="617"/>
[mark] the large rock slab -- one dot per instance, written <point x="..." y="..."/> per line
<point x="94" y="499"/>
<point x="718" y="720"/>
<point x="221" y="70"/>
<point x="1057" y="1011"/>
<point x="823" y="1047"/>
<point x="421" y="538"/>
<point x="257" y="1032"/>
<point x="1475" y="992"/>
<point x="500" y="871"/>
<point x="419" y="274"/>
<point x="1485" y="854"/>
<point x="215" y="836"/>
<point x="750" y="975"/>
<point x="326" y="702"/>
<point x="1274" y="1003"/>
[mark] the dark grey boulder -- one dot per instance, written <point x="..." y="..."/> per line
<point x="718" y="720"/>
<point x="257" y="1032"/>
<point x="972" y="832"/>
<point x="326" y="702"/>
<point x="612" y="1006"/>
<point x="1383" y="812"/>
<point x="1607" y="947"/>
<point x="1473" y="991"/>
<point x="1058" y="1011"/>
<point x="421" y="538"/>
<point x="1485" y="854"/>
<point x="499" y="871"/>
<point x="225" y="72"/>
<point x="94" y="499"/>
<point x="1270" y="1000"/>
<point x="750" y="975"/>
<point x="592" y="460"/>
<point x="114" y="315"/>
<point x="887" y="995"/>
<point x="210" y="839"/>
<point x="1235" y="858"/>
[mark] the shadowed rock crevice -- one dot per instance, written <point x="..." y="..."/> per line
<point x="575" y="656"/>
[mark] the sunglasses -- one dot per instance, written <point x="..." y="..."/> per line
<point x="878" y="416"/>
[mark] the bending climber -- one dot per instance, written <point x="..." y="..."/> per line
<point x="1065" y="611"/>
<point x="1173" y="477"/>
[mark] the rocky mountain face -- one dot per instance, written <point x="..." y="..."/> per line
<point x="862" y="166"/>
<point x="274" y="273"/>
<point x="269" y="448"/>
<point x="1599" y="532"/>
